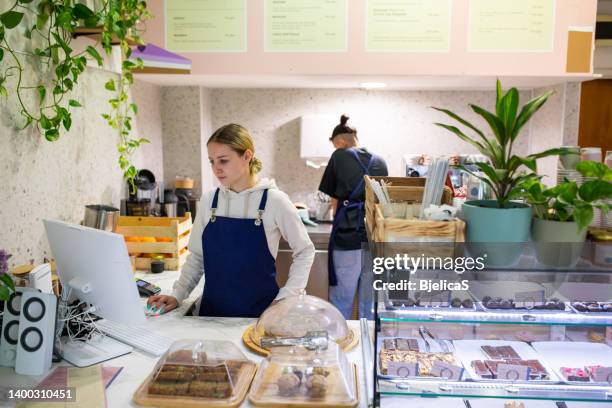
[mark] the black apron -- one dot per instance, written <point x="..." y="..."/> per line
<point x="352" y="203"/>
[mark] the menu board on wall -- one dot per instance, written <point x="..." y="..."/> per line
<point x="408" y="25"/>
<point x="305" y="25"/>
<point x="511" y="25"/>
<point x="206" y="25"/>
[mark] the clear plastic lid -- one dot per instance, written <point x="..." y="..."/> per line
<point x="295" y="316"/>
<point x="297" y="376"/>
<point x="193" y="370"/>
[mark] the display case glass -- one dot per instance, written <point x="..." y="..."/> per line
<point x="517" y="333"/>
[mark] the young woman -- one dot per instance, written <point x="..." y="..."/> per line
<point x="235" y="236"/>
<point x="343" y="181"/>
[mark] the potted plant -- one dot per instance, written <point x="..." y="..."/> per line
<point x="6" y="282"/>
<point x="561" y="214"/>
<point x="498" y="229"/>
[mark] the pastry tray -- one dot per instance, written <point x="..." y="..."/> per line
<point x="559" y="354"/>
<point x="262" y="396"/>
<point x="422" y="348"/>
<point x="245" y="376"/>
<point x="469" y="350"/>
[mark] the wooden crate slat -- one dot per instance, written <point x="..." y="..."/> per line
<point x="126" y="221"/>
<point x="147" y="231"/>
<point x="152" y="247"/>
<point x="183" y="242"/>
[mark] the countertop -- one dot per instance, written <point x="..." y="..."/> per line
<point x="319" y="236"/>
<point x="138" y="365"/>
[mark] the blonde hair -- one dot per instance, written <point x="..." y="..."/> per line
<point x="239" y="140"/>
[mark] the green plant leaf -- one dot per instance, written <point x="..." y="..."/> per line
<point x="583" y="215"/>
<point x="498" y="97"/>
<point x="464" y="137"/>
<point x="516" y="161"/>
<point x="494" y="149"/>
<point x="8" y="281"/>
<point x="52" y="135"/>
<point x="3" y="91"/>
<point x="5" y="293"/>
<point x="491" y="173"/>
<point x="74" y="103"/>
<point x="64" y="19"/>
<point x="81" y="11"/>
<point x="67" y="122"/>
<point x="94" y="54"/>
<point x="41" y="20"/>
<point x="25" y="1"/>
<point x="589" y="168"/>
<point x="510" y="106"/>
<point x="528" y="110"/>
<point x="1" y="54"/>
<point x="110" y="85"/>
<point x="45" y="123"/>
<point x="496" y="125"/>
<point x="42" y="92"/>
<point x="546" y="153"/>
<point x="11" y="19"/>
<point x="593" y="190"/>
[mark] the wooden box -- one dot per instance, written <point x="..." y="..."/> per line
<point x="387" y="230"/>
<point x="148" y="238"/>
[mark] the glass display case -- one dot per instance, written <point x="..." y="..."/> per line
<point x="520" y="336"/>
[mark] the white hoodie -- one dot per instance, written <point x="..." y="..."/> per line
<point x="280" y="218"/>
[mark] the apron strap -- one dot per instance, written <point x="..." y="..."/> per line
<point x="366" y="172"/>
<point x="213" y="207"/>
<point x="262" y="207"/>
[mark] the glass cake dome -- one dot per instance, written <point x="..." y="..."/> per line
<point x="295" y="316"/>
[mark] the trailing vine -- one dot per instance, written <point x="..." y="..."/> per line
<point x="49" y="27"/>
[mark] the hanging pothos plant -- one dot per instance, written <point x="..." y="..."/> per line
<point x="44" y="30"/>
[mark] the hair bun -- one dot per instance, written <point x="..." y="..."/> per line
<point x="343" y="119"/>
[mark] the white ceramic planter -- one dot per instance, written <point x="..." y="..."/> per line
<point x="557" y="244"/>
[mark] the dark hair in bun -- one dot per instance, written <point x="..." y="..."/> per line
<point x="342" y="128"/>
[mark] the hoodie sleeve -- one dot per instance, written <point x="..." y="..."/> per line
<point x="294" y="232"/>
<point x="193" y="269"/>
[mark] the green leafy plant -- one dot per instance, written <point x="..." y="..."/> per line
<point x="568" y="201"/>
<point x="506" y="171"/>
<point x="6" y="281"/>
<point x="50" y="26"/>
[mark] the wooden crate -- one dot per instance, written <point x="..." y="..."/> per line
<point x="175" y="231"/>
<point x="386" y="230"/>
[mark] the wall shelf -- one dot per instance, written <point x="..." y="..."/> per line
<point x="394" y="83"/>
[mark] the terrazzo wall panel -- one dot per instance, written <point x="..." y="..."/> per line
<point x="390" y="123"/>
<point x="181" y="117"/>
<point x="56" y="180"/>
<point x="556" y="124"/>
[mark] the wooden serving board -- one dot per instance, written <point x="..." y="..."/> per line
<point x="251" y="339"/>
<point x="334" y="398"/>
<point x="245" y="376"/>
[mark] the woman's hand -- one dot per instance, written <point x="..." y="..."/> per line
<point x="162" y="303"/>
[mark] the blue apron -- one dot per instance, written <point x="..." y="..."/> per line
<point x="239" y="270"/>
<point x="342" y="207"/>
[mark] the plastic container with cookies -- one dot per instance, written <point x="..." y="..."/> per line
<point x="198" y="373"/>
<point x="296" y="376"/>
